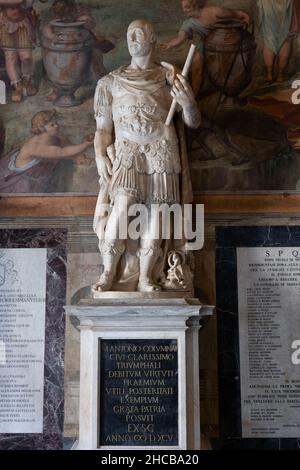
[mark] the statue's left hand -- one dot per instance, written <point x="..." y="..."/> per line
<point x="172" y="71"/>
<point x="182" y="92"/>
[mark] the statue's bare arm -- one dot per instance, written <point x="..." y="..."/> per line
<point x="103" y="139"/>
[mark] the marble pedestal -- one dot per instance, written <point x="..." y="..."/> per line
<point x="143" y="327"/>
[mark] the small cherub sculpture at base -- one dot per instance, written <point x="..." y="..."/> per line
<point x="180" y="274"/>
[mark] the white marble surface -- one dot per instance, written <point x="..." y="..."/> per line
<point x="22" y="339"/>
<point x="140" y="155"/>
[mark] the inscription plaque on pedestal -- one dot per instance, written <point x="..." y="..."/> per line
<point x="138" y="392"/>
<point x="139" y="373"/>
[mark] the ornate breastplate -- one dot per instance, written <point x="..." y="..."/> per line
<point x="140" y="109"/>
<point x="140" y="119"/>
<point x="138" y="116"/>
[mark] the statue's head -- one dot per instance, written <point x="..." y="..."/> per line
<point x="140" y="38"/>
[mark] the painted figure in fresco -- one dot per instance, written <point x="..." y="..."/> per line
<point x="68" y="11"/>
<point x="279" y="22"/>
<point x="146" y="161"/>
<point x="17" y="39"/>
<point x="28" y="169"/>
<point x="198" y="25"/>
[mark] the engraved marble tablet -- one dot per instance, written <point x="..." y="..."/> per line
<point x="138" y="392"/>
<point x="32" y="337"/>
<point x="22" y="339"/>
<point x="258" y="284"/>
<point x="268" y="293"/>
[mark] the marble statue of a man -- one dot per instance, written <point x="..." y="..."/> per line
<point x="139" y="159"/>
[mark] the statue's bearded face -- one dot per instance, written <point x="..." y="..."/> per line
<point x="139" y="41"/>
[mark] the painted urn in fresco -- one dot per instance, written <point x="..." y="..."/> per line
<point x="66" y="59"/>
<point x="229" y="56"/>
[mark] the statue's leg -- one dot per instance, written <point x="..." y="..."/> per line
<point x="148" y="256"/>
<point x="112" y="247"/>
<point x="111" y="252"/>
<point x="149" y="253"/>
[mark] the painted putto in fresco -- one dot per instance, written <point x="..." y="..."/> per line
<point x="197" y="27"/>
<point x="18" y="23"/>
<point x="53" y="52"/>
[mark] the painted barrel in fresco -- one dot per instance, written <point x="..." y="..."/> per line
<point x="229" y="53"/>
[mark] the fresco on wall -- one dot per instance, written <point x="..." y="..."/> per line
<point x="53" y="52"/>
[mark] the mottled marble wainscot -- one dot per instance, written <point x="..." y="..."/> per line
<point x="228" y="240"/>
<point x="54" y="241"/>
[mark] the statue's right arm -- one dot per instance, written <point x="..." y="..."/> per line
<point x="103" y="139"/>
<point x="104" y="132"/>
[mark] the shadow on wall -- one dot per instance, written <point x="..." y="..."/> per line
<point x="82" y="293"/>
